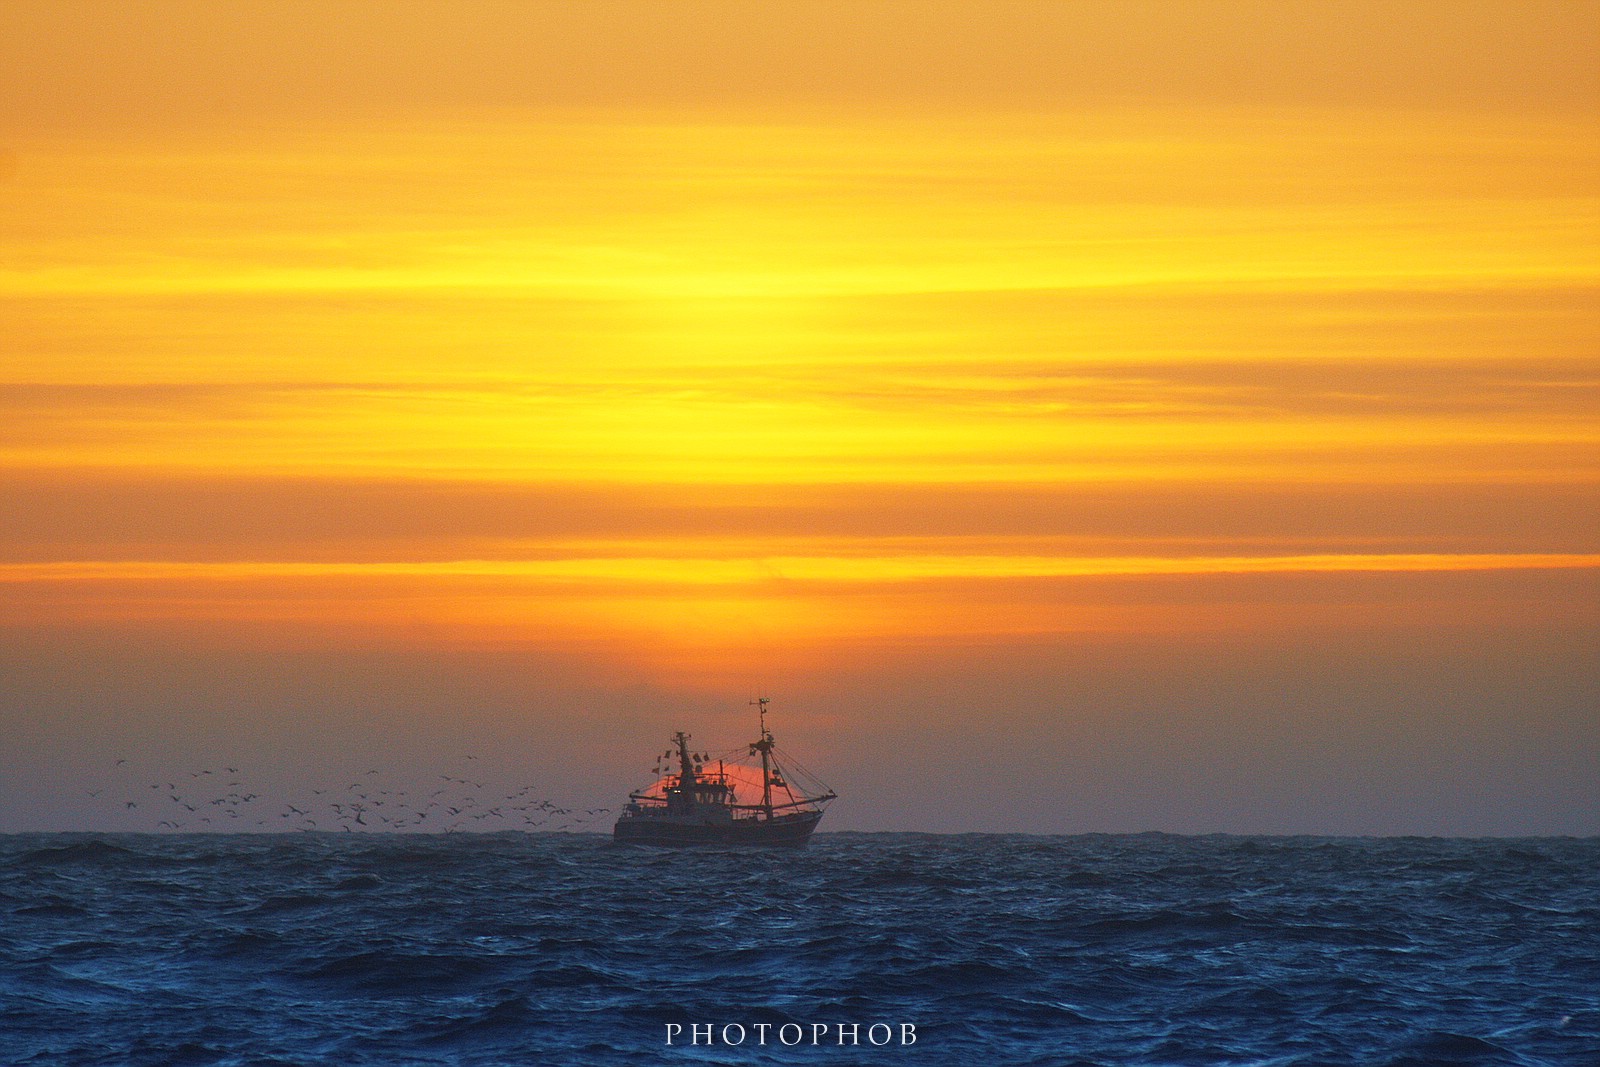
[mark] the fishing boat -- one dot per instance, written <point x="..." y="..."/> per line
<point x="715" y="801"/>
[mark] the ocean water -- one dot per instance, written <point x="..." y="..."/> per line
<point x="555" y="949"/>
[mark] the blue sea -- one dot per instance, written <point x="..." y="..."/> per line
<point x="555" y="949"/>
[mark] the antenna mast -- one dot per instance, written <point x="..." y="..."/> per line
<point x="764" y="746"/>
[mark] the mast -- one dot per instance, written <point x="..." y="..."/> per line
<point x="683" y="798"/>
<point x="686" y="778"/>
<point x="764" y="746"/>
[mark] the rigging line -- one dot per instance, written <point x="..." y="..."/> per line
<point x="796" y="764"/>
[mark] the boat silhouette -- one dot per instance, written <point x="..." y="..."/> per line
<point x="706" y="803"/>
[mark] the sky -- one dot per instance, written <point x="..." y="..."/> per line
<point x="1097" y="417"/>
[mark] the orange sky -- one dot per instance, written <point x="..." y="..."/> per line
<point x="720" y="345"/>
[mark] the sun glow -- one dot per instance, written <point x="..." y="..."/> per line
<point x="707" y="312"/>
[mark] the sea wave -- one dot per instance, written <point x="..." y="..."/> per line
<point x="514" y="949"/>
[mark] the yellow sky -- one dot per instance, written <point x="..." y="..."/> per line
<point x="708" y="259"/>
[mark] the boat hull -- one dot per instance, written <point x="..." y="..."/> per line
<point x="782" y="830"/>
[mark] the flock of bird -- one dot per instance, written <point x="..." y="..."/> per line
<point x="218" y="799"/>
